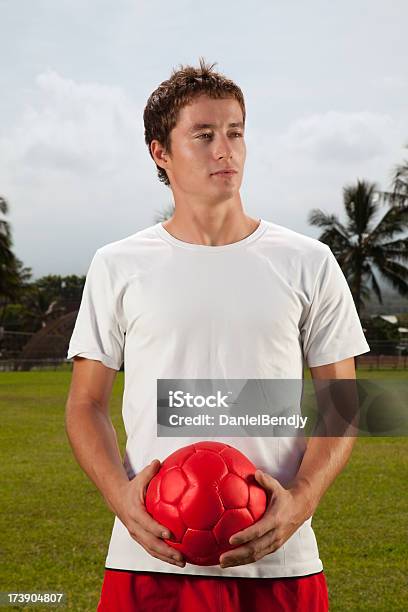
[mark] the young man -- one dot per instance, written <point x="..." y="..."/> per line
<point x="210" y="293"/>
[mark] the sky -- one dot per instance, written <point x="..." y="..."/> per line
<point x="325" y="86"/>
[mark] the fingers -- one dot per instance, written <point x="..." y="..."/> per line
<point x="145" y="476"/>
<point x="267" y="481"/>
<point x="253" y="551"/>
<point x="143" y="517"/>
<point x="156" y="547"/>
<point x="264" y="525"/>
<point x="144" y="529"/>
<point x="172" y="561"/>
<point x="147" y="522"/>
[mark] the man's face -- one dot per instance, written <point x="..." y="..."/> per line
<point x="198" y="152"/>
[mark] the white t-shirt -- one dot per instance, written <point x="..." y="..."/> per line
<point x="256" y="308"/>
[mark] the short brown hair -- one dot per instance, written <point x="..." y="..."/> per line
<point x="164" y="104"/>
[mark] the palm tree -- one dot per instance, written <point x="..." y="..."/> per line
<point x="399" y="194"/>
<point x="361" y="246"/>
<point x="6" y="255"/>
<point x="13" y="275"/>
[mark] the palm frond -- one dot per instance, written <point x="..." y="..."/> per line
<point x="321" y="219"/>
<point x="394" y="272"/>
<point x="394" y="198"/>
<point x="3" y="205"/>
<point x="360" y="206"/>
<point x="394" y="221"/>
<point x="375" y="286"/>
<point x="335" y="233"/>
<point x="395" y="248"/>
<point x="398" y="196"/>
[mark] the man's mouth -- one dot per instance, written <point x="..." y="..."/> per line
<point x="224" y="173"/>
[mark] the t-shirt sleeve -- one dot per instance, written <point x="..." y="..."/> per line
<point x="331" y="330"/>
<point x="98" y="333"/>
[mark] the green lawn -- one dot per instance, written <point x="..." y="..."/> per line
<point x="55" y="527"/>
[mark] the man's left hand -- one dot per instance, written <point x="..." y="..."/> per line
<point x="286" y="511"/>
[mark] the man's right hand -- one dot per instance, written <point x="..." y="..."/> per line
<point x="142" y="527"/>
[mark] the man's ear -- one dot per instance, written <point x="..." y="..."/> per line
<point x="163" y="152"/>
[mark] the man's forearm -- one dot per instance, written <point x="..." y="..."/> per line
<point x="95" y="446"/>
<point x="324" y="459"/>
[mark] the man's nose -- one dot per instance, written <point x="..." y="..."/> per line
<point x="223" y="149"/>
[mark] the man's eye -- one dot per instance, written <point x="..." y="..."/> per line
<point x="210" y="135"/>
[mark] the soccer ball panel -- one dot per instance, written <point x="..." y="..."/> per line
<point x="234" y="491"/>
<point x="172" y="486"/>
<point x="237" y="462"/>
<point x="153" y="493"/>
<point x="200" y="508"/>
<point x="200" y="547"/>
<point x="169" y="516"/>
<point x="205" y="468"/>
<point x="231" y="522"/>
<point x="179" y="456"/>
<point x="257" y="501"/>
<point x="217" y="447"/>
<point x="200" y="543"/>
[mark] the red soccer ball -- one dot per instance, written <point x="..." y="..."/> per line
<point x="204" y="493"/>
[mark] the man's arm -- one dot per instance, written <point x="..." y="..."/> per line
<point x="89" y="428"/>
<point x="325" y="457"/>
<point x="291" y="506"/>
<point x="95" y="446"/>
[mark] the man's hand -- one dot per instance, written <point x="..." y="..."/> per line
<point x="286" y="511"/>
<point x="131" y="510"/>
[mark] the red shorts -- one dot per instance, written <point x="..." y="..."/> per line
<point x="127" y="591"/>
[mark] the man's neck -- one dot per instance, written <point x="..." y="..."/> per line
<point x="215" y="229"/>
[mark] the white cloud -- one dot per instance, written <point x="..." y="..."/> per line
<point x="71" y="127"/>
<point x="73" y="159"/>
<point x="395" y="82"/>
<point x="340" y="137"/>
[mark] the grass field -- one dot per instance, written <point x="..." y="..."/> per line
<point x="55" y="527"/>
